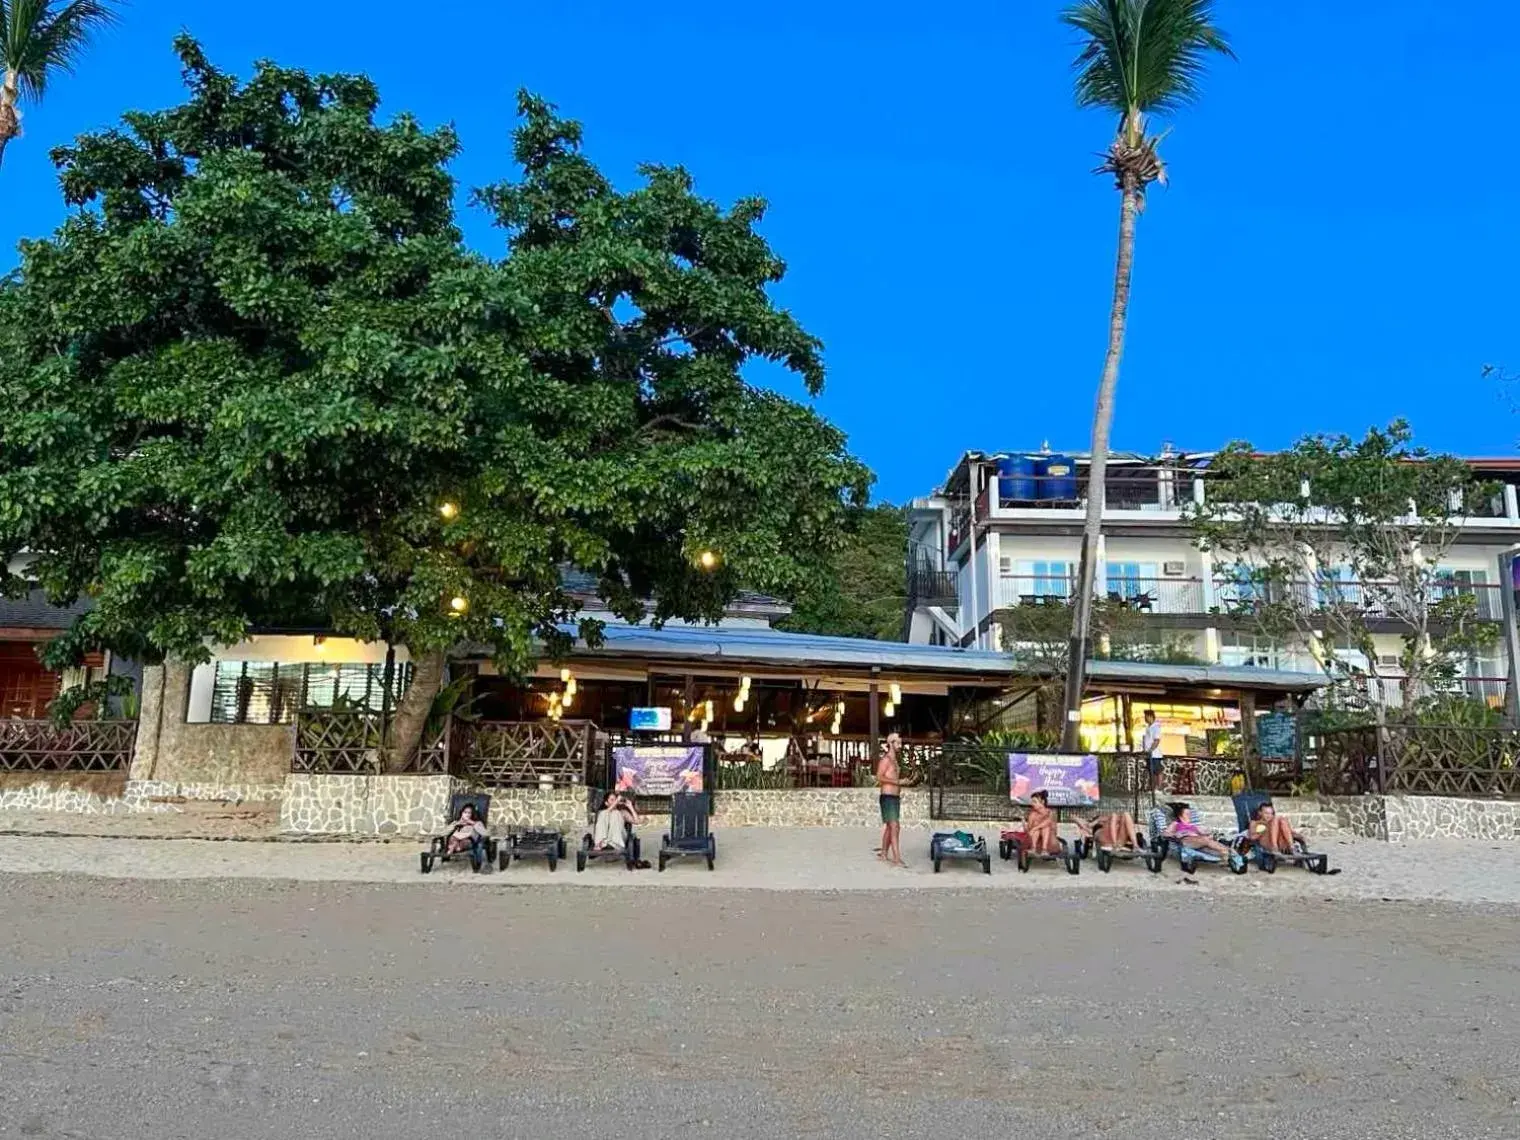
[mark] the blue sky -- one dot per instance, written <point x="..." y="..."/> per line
<point x="1336" y="248"/>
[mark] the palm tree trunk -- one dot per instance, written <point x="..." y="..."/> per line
<point x="10" y="122"/>
<point x="1103" y="416"/>
<point x="405" y="736"/>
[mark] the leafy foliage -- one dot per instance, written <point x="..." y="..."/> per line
<point x="38" y="39"/>
<point x="98" y="694"/>
<point x="1334" y="536"/>
<point x="863" y="592"/>
<point x="255" y="363"/>
<point x="1143" y="55"/>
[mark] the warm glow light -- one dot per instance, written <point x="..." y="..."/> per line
<point x="708" y="560"/>
<point x="896" y="690"/>
<point x="459" y="604"/>
<point x="888" y="709"/>
<point x="570" y="687"/>
<point x="744" y="684"/>
<point x="319" y="644"/>
<point x="707" y="710"/>
<point x="449" y="510"/>
<point x="564" y="676"/>
<point x="834" y="728"/>
<point x="568" y="699"/>
<point x="738" y="704"/>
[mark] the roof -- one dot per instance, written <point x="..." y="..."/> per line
<point x="754" y="646"/>
<point x="34" y="612"/>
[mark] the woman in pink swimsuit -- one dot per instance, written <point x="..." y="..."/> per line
<point x="1183" y="830"/>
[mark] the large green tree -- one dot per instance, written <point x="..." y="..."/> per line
<point x="38" y="40"/>
<point x="1138" y="58"/>
<point x="255" y="378"/>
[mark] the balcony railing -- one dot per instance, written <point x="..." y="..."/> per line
<point x="1374" y="600"/>
<point x="928" y="586"/>
<point x="1143" y="595"/>
<point x="1147" y="488"/>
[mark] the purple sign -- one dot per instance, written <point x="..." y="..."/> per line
<point x="658" y="770"/>
<point x="1067" y="780"/>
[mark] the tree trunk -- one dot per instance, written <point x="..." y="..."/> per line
<point x="10" y="121"/>
<point x="405" y="736"/>
<point x="1103" y="416"/>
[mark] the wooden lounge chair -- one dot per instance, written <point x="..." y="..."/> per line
<point x="438" y="846"/>
<point x="689" y="834"/>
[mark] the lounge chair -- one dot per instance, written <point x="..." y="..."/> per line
<point x="541" y="844"/>
<point x="689" y="834"/>
<point x="1315" y="862"/>
<point x="586" y="853"/>
<point x="1189" y="858"/>
<point x="438" y="846"/>
<point x="959" y="845"/>
<point x="1011" y="845"/>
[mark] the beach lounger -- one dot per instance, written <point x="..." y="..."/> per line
<point x="586" y="853"/>
<point x="540" y="844"/>
<point x="1189" y="858"/>
<point x="689" y="834"/>
<point x="438" y="846"/>
<point x="1315" y="862"/>
<point x="1011" y="845"/>
<point x="959" y="845"/>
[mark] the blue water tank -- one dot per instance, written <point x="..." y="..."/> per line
<point x="1016" y="475"/>
<point x="1058" y="478"/>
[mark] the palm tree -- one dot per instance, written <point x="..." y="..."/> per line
<point x="38" y="39"/>
<point x="1138" y="57"/>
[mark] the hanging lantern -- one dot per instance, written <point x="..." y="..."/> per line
<point x="570" y="687"/>
<point x="744" y="684"/>
<point x="564" y="675"/>
<point x="888" y="709"/>
<point x="896" y="692"/>
<point x="459" y="604"/>
<point x="449" y="511"/>
<point x="739" y="703"/>
<point x="707" y="709"/>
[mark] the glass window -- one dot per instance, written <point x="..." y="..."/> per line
<point x="266" y="692"/>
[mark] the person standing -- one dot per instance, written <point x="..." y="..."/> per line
<point x="890" y="781"/>
<point x="1150" y="744"/>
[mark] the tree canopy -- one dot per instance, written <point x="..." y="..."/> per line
<point x="1336" y="539"/>
<point x="864" y="591"/>
<point x="256" y="380"/>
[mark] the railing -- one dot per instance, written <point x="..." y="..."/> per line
<point x="352" y="744"/>
<point x="1373" y="599"/>
<point x="1461" y="761"/>
<point x="1143" y="595"/>
<point x="930" y="587"/>
<point x="1126" y="488"/>
<point x="79" y="746"/>
<point x="528" y="754"/>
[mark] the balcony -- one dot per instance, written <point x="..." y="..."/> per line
<point x="1377" y="601"/>
<point x="928" y="586"/>
<point x="1126" y="488"/>
<point x="1143" y="595"/>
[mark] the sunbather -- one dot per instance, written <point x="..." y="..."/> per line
<point x="1040" y="826"/>
<point x="1271" y="831"/>
<point x="1183" y="830"/>
<point x="1113" y="831"/>
<point x="608" y="831"/>
<point x="468" y="834"/>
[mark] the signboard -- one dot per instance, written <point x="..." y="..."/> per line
<point x="1276" y="734"/>
<point x="1067" y="780"/>
<point x="658" y="769"/>
<point x="649" y="720"/>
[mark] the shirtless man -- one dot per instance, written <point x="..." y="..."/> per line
<point x="889" y="779"/>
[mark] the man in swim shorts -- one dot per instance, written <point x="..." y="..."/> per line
<point x="889" y="780"/>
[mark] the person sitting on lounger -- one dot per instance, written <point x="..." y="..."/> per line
<point x="1271" y="831"/>
<point x="1040" y="826"/>
<point x="467" y="833"/>
<point x="1113" y="831"/>
<point x="611" y="822"/>
<point x="1183" y="830"/>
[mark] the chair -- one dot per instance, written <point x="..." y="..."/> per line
<point x="438" y="846"/>
<point x="587" y="853"/>
<point x="689" y="834"/>
<point x="1246" y="803"/>
<point x="1189" y="858"/>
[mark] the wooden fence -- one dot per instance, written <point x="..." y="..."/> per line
<point x="79" y="746"/>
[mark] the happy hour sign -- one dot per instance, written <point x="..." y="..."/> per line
<point x="1067" y="780"/>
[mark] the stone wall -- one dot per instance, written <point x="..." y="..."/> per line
<point x="213" y="757"/>
<point x="1400" y="819"/>
<point x="518" y="808"/>
<point x="365" y="805"/>
<point x="111" y="793"/>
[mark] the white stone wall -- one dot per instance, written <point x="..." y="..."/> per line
<point x="365" y="805"/>
<point x="1400" y="819"/>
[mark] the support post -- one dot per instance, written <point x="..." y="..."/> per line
<point x="1251" y="761"/>
<point x="1511" y="636"/>
<point x="686" y="711"/>
<point x="875" y="716"/>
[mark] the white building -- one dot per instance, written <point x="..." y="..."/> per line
<point x="1005" y="530"/>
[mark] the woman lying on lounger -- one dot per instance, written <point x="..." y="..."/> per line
<point x="1183" y="830"/>
<point x="1112" y="831"/>
<point x="1271" y="831"/>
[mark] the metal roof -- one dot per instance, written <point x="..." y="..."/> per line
<point x="755" y="646"/>
<point x="34" y="612"/>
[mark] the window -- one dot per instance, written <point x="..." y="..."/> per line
<point x="1044" y="579"/>
<point x="1131" y="579"/>
<point x="1338" y="587"/>
<point x="1238" y="587"/>
<point x="266" y="692"/>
